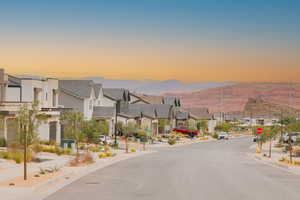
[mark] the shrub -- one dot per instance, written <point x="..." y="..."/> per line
<point x="278" y="145"/>
<point x="102" y="155"/>
<point x="37" y="148"/>
<point x="106" y="148"/>
<point x="298" y="140"/>
<point x="215" y="135"/>
<point x="109" y="154"/>
<point x="133" y="150"/>
<point x="94" y="149"/>
<point x="88" y="158"/>
<point x="2" y="142"/>
<point x="68" y="151"/>
<point x="171" y="141"/>
<point x="17" y="156"/>
<point x="297" y="152"/>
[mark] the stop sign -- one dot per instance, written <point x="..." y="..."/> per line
<point x="259" y="131"/>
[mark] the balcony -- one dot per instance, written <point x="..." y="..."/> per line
<point x="12" y="106"/>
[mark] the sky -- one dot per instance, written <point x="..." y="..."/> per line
<point x="187" y="40"/>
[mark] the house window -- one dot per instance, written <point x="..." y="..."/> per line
<point x="36" y="95"/>
<point x="54" y="96"/>
<point x="91" y="105"/>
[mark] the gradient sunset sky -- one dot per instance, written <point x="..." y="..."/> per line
<point x="188" y="40"/>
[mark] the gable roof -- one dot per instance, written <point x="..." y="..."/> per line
<point x="147" y="110"/>
<point x="97" y="89"/>
<point x="149" y="99"/>
<point x="199" y="113"/>
<point x="116" y="94"/>
<point x="171" y="101"/>
<point x="79" y="88"/>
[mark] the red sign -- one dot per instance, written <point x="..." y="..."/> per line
<point x="259" y="131"/>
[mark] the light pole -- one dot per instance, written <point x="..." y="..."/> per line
<point x="116" y="119"/>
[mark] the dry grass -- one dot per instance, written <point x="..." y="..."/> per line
<point x="287" y="161"/>
<point x="82" y="160"/>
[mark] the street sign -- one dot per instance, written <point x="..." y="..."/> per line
<point x="259" y="131"/>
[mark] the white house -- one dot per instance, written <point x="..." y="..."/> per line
<point x="79" y="95"/>
<point x="17" y="91"/>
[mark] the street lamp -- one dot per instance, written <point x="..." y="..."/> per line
<point x="116" y="119"/>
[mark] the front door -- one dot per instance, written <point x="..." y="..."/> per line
<point x="53" y="130"/>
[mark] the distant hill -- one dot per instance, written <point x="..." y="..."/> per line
<point x="153" y="87"/>
<point x="260" y="108"/>
<point x="233" y="98"/>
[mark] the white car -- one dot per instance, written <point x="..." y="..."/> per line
<point x="294" y="137"/>
<point x="106" y="138"/>
<point x="223" y="135"/>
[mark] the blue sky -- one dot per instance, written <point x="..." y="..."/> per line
<point x="152" y="24"/>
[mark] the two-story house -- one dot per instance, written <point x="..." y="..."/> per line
<point x="17" y="91"/>
<point x="79" y="95"/>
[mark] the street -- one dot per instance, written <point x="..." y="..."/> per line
<point x="208" y="171"/>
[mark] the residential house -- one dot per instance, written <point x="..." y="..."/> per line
<point x="17" y="91"/>
<point x="79" y="95"/>
<point x="203" y="114"/>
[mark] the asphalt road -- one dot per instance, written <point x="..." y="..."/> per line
<point x="208" y="171"/>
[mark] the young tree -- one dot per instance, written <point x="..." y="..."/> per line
<point x="29" y="119"/>
<point x="129" y="130"/>
<point x="192" y="125"/>
<point x="202" y="126"/>
<point x="73" y="124"/>
<point x="162" y="123"/>
<point x="90" y="130"/>
<point x="271" y="133"/>
<point x="226" y="127"/>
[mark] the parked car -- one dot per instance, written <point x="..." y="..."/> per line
<point x="293" y="135"/>
<point x="106" y="138"/>
<point x="223" y="135"/>
<point x="186" y="131"/>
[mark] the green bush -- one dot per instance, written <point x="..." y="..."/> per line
<point x="172" y="141"/>
<point x="215" y="135"/>
<point x="2" y="142"/>
<point x="132" y="150"/>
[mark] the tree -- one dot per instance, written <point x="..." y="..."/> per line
<point x="162" y="123"/>
<point x="271" y="133"/>
<point x="73" y="124"/>
<point x="226" y="127"/>
<point x="202" y="126"/>
<point x="90" y="130"/>
<point x="129" y="130"/>
<point x="29" y="119"/>
<point x="192" y="124"/>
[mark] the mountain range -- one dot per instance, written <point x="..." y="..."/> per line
<point x="154" y="87"/>
<point x="233" y="98"/>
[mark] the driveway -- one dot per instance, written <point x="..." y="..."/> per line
<point x="208" y="171"/>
